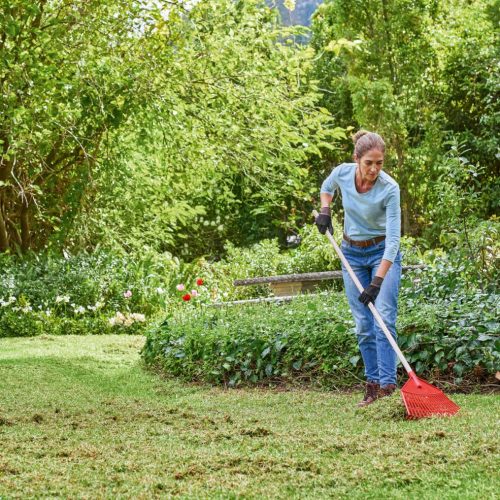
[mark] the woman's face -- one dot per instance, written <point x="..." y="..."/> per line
<point x="370" y="164"/>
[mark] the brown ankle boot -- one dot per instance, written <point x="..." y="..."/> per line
<point x="386" y="390"/>
<point x="371" y="394"/>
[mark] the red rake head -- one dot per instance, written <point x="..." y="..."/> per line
<point x="424" y="400"/>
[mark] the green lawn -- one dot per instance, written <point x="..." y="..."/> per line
<point x="79" y="417"/>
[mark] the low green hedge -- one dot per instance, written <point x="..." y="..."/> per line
<point x="229" y="345"/>
<point x="312" y="339"/>
<point x="33" y="323"/>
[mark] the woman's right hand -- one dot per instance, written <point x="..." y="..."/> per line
<point x="324" y="221"/>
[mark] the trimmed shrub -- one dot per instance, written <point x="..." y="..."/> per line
<point x="312" y="339"/>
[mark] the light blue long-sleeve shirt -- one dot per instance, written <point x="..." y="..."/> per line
<point x="367" y="215"/>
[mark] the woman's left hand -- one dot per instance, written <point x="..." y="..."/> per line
<point x="371" y="291"/>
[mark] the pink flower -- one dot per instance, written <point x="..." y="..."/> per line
<point x="199" y="282"/>
<point x="180" y="287"/>
<point x="194" y="293"/>
<point x="127" y="294"/>
<point x="186" y="297"/>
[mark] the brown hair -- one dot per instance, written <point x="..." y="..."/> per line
<point x="365" y="141"/>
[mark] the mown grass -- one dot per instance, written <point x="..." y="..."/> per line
<point x="80" y="418"/>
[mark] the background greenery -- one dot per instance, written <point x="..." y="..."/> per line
<point x="146" y="145"/>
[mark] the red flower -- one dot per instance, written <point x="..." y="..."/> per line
<point x="186" y="297"/>
<point x="199" y="282"/>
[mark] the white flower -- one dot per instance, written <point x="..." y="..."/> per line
<point x="138" y="317"/>
<point x="118" y="319"/>
<point x="62" y="298"/>
<point x="160" y="290"/>
<point x="80" y="310"/>
<point x="126" y="319"/>
<point x="5" y="303"/>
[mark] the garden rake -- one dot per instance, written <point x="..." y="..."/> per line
<point x="420" y="398"/>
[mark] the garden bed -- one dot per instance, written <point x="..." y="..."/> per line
<point x="311" y="339"/>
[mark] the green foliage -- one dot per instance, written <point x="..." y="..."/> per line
<point x="466" y="43"/>
<point x="267" y="259"/>
<point x="224" y="151"/>
<point x="446" y="332"/>
<point x="70" y="74"/>
<point x="312" y="254"/>
<point x="127" y="127"/>
<point x="98" y="293"/>
<point x="425" y="78"/>
<point x="448" y="325"/>
<point x="144" y="126"/>
<point x="256" y="343"/>
<point x="33" y="323"/>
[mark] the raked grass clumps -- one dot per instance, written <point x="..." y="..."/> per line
<point x="81" y="418"/>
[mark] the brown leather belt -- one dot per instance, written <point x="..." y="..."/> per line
<point x="364" y="243"/>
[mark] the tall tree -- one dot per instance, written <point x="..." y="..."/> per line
<point x="377" y="63"/>
<point x="70" y="73"/>
<point x="223" y="151"/>
<point x="423" y="73"/>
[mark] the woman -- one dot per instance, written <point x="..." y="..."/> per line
<point x="372" y="219"/>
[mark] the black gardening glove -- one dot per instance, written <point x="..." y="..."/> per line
<point x="324" y="221"/>
<point x="371" y="291"/>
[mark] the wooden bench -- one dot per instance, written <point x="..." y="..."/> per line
<point x="287" y="285"/>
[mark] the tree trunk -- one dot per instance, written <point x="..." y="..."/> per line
<point x="5" y="173"/>
<point x="405" y="213"/>
<point x="25" y="227"/>
<point x="4" y="239"/>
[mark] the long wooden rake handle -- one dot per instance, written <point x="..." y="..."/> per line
<point x="374" y="311"/>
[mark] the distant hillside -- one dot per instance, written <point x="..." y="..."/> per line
<point x="304" y="9"/>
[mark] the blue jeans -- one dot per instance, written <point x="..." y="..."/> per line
<point x="378" y="356"/>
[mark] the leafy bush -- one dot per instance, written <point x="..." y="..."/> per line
<point x="448" y="324"/>
<point x="51" y="293"/>
<point x="259" y="342"/>
<point x="48" y="293"/>
<point x="456" y="336"/>
<point x="267" y="259"/>
<point x="453" y="337"/>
